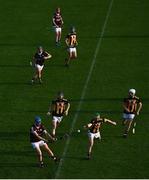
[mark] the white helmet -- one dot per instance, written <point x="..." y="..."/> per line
<point x="133" y="91"/>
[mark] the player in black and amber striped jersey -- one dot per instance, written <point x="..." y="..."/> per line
<point x="37" y="140"/>
<point x="71" y="42"/>
<point x="94" y="130"/>
<point x="132" y="106"/>
<point x="58" y="109"/>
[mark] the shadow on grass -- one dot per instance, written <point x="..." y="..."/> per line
<point x="13" y="164"/>
<point x="15" y="83"/>
<point x="118" y="36"/>
<point x="82" y="158"/>
<point x="27" y="66"/>
<point x="19" y="153"/>
<point x="14" y="66"/>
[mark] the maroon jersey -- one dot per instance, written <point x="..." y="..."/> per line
<point x="57" y="19"/>
<point x="131" y="103"/>
<point x="39" y="58"/>
<point x="59" y="107"/>
<point x="39" y="130"/>
<point x="96" y="124"/>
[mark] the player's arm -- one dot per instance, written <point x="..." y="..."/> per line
<point x="139" y="108"/>
<point x="87" y="126"/>
<point x="39" y="137"/>
<point x="67" y="109"/>
<point x="32" y="62"/>
<point x="62" y="20"/>
<point x="49" y="136"/>
<point x="67" y="40"/>
<point x="109" y="121"/>
<point x="48" y="56"/>
<point x="54" y="22"/>
<point x="125" y="107"/>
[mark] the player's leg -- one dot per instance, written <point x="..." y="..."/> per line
<point x="35" y="76"/>
<point x="39" y="75"/>
<point x="127" y="127"/>
<point x="56" y="35"/>
<point x="49" y="151"/>
<point x="39" y="72"/>
<point x="134" y="127"/>
<point x="39" y="153"/>
<point x="74" y="53"/>
<point x="124" y="123"/>
<point x="67" y="60"/>
<point x="54" y="125"/>
<point x="59" y="34"/>
<point x="98" y="136"/>
<point x="91" y="143"/>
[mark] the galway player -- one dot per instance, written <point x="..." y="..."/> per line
<point x="38" y="62"/>
<point x="94" y="130"/>
<point x="71" y="42"/>
<point x="58" y="109"/>
<point x="57" y="24"/>
<point x="37" y="140"/>
<point x="132" y="106"/>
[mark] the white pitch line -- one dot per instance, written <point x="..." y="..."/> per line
<point x="84" y="89"/>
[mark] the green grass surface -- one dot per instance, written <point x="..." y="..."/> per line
<point x="121" y="63"/>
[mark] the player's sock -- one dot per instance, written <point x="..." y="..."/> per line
<point x="33" y="80"/>
<point x="89" y="156"/>
<point x="125" y="135"/>
<point x="41" y="165"/>
<point x="134" y="128"/>
<point x="40" y="81"/>
<point x="56" y="159"/>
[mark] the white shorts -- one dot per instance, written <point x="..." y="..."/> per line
<point x="39" y="67"/>
<point x="38" y="144"/>
<point x="94" y="135"/>
<point x="57" y="119"/>
<point x="58" y="29"/>
<point x="72" y="50"/>
<point x="128" y="116"/>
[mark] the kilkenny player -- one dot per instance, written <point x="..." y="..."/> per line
<point x="132" y="106"/>
<point x="71" y="42"/>
<point x="37" y="140"/>
<point x="57" y="24"/>
<point x="38" y="62"/>
<point x="58" y="109"/>
<point x="94" y="130"/>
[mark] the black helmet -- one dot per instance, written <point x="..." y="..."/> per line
<point x="73" y="29"/>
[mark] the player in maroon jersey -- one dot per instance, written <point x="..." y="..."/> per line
<point x="37" y="140"/>
<point x="132" y="106"/>
<point x="94" y="130"/>
<point x="38" y="62"/>
<point x="57" y="24"/>
<point x="58" y="109"/>
<point x="71" y="42"/>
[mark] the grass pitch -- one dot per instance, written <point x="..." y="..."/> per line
<point x="121" y="63"/>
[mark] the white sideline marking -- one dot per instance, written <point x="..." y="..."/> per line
<point x="84" y="89"/>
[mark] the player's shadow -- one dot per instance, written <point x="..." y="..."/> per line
<point x="97" y="99"/>
<point x="13" y="164"/>
<point x="14" y="66"/>
<point x="13" y="135"/>
<point x="15" y="83"/>
<point x="81" y="158"/>
<point x="22" y="153"/>
<point x="119" y="36"/>
<point x="96" y="110"/>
